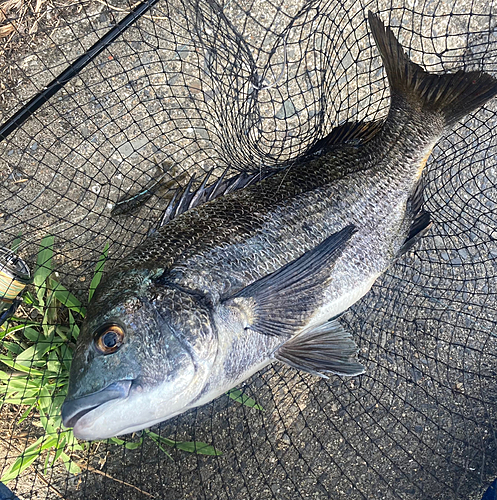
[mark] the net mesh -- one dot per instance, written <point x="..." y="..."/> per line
<point x="243" y="85"/>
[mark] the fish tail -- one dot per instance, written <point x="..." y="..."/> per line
<point x="451" y="95"/>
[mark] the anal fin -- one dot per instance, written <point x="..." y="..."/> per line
<point x="325" y="349"/>
<point x="421" y="222"/>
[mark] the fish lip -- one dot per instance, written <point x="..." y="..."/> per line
<point x="74" y="409"/>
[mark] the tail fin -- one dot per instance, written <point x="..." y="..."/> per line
<point x="452" y="95"/>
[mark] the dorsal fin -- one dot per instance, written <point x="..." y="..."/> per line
<point x="186" y="199"/>
<point x="350" y="133"/>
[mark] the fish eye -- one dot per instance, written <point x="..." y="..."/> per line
<point x="109" y="339"/>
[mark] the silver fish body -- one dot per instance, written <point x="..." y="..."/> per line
<point x="231" y="285"/>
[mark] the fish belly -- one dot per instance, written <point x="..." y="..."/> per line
<point x="335" y="306"/>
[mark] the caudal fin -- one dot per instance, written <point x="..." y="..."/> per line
<point x="452" y="95"/>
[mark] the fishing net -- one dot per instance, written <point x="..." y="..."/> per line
<point x="192" y="86"/>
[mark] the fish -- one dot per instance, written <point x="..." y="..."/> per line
<point x="262" y="274"/>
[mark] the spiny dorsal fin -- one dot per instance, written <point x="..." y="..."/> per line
<point x="349" y="133"/>
<point x="186" y="199"/>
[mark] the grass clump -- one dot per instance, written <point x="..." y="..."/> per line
<point x="39" y="358"/>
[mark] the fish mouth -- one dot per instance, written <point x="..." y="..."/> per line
<point x="73" y="410"/>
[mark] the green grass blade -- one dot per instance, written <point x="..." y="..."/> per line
<point x="197" y="447"/>
<point x="72" y="442"/>
<point x="238" y="396"/>
<point x="164" y="451"/>
<point x="157" y="439"/>
<point x="43" y="267"/>
<point x="29" y="455"/>
<point x="38" y="355"/>
<point x="116" y="441"/>
<point x="133" y="446"/>
<point x="30" y="333"/>
<point x="16" y="366"/>
<point x="65" y="297"/>
<point x="127" y="445"/>
<point x="16" y="243"/>
<point x="59" y="450"/>
<point x="26" y="414"/>
<point x="27" y="356"/>
<point x="12" y="347"/>
<point x="189" y="446"/>
<point x="30" y="300"/>
<point x="73" y="327"/>
<point x="70" y="465"/>
<point x="99" y="269"/>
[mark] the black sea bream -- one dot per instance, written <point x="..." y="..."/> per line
<point x="253" y="276"/>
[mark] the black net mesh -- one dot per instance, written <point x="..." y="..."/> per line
<point x="242" y="85"/>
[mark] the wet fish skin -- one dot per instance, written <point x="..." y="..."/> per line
<point x="227" y="287"/>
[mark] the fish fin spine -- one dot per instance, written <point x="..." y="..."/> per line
<point x="452" y="95"/>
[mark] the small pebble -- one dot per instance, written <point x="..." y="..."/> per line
<point x="96" y="188"/>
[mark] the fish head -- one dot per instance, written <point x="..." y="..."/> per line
<point x="142" y="357"/>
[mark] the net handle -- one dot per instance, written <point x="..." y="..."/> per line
<point x="59" y="81"/>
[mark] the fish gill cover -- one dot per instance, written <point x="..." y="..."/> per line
<point x="242" y="86"/>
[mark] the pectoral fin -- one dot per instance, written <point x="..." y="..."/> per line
<point x="327" y="348"/>
<point x="282" y="302"/>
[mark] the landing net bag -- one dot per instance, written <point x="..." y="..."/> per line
<point x="189" y="87"/>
